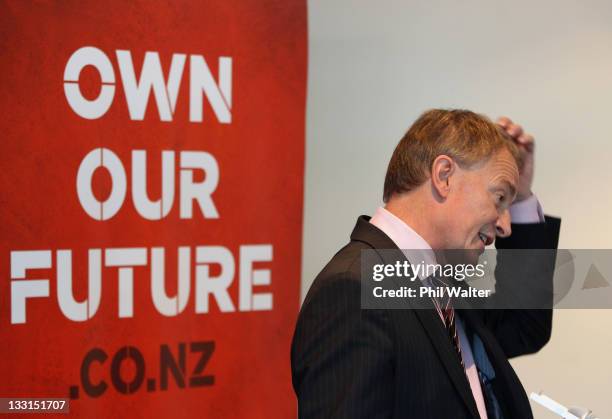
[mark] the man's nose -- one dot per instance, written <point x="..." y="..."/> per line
<point x="502" y="226"/>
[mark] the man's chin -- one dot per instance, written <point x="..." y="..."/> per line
<point x="472" y="255"/>
<point x="462" y="256"/>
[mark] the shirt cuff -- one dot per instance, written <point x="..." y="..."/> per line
<point x="527" y="211"/>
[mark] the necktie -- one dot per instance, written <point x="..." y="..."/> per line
<point x="447" y="314"/>
<point x="486" y="374"/>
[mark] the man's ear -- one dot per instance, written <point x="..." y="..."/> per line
<point x="442" y="168"/>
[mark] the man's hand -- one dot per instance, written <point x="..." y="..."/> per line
<point x="526" y="145"/>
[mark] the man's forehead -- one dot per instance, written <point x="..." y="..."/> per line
<point x="503" y="169"/>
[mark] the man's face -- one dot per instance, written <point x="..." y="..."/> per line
<point x="478" y="203"/>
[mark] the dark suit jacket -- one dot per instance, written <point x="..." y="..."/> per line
<point x="352" y="363"/>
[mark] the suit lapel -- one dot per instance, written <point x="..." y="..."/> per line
<point x="441" y="342"/>
<point x="428" y="316"/>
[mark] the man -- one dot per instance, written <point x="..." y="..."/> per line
<point x="455" y="181"/>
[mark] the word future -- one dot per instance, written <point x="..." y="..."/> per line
<point x="194" y="265"/>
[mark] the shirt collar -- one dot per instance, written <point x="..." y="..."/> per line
<point x="416" y="249"/>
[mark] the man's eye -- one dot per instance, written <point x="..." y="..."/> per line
<point x="500" y="197"/>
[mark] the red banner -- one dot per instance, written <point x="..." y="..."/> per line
<point x="152" y="172"/>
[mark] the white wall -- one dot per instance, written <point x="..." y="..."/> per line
<point x="375" y="66"/>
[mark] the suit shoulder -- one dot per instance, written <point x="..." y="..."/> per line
<point x="343" y="270"/>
